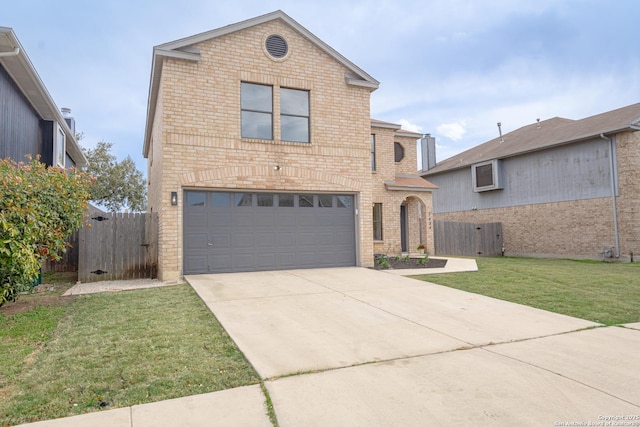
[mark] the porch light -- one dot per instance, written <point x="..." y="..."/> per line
<point x="174" y="198"/>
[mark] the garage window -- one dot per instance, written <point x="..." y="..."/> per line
<point x="325" y="201"/>
<point x="344" y="201"/>
<point x="243" y="199"/>
<point x="220" y="200"/>
<point x="305" y="201"/>
<point x="285" y="200"/>
<point x="195" y="198"/>
<point x="265" y="200"/>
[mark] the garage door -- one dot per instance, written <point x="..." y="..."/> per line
<point x="233" y="231"/>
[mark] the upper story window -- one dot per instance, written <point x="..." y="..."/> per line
<point x="373" y="152"/>
<point x="257" y="108"/>
<point x="60" y="149"/>
<point x="398" y="152"/>
<point x="257" y="111"/>
<point x="294" y="115"/>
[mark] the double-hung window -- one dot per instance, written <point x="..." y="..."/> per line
<point x="294" y="115"/>
<point x="257" y="111"/>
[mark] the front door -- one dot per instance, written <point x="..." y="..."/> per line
<point x="403" y="228"/>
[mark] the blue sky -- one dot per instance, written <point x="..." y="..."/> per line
<point x="451" y="68"/>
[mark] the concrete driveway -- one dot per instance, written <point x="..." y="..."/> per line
<point x="353" y="346"/>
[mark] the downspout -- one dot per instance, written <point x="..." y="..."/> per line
<point x="613" y="194"/>
<point x="14" y="52"/>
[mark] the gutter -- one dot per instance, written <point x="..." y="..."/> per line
<point x="15" y="52"/>
<point x="613" y="194"/>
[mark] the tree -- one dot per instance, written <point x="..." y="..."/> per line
<point x="40" y="207"/>
<point x="118" y="185"/>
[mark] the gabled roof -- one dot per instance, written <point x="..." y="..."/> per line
<point x="183" y="49"/>
<point x="546" y="134"/>
<point x="14" y="59"/>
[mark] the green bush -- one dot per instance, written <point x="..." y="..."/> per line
<point x="40" y="207"/>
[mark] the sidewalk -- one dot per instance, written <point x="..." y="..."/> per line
<point x="242" y="406"/>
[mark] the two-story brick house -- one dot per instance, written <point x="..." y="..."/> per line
<point x="262" y="155"/>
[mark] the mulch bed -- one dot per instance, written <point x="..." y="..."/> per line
<point x="413" y="263"/>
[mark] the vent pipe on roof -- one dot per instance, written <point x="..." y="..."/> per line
<point x="538" y="125"/>
<point x="500" y="131"/>
<point x="71" y="122"/>
<point x="14" y="52"/>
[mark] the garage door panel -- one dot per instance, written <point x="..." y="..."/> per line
<point x="220" y="262"/>
<point x="196" y="241"/>
<point x="196" y="263"/>
<point x="233" y="237"/>
<point x="241" y="218"/>
<point x="285" y="239"/>
<point x="242" y="241"/>
<point x="219" y="218"/>
<point x="196" y="219"/>
<point x="243" y="262"/>
<point x="264" y="240"/>
<point x="265" y="217"/>
<point x="219" y="241"/>
<point x="265" y="261"/>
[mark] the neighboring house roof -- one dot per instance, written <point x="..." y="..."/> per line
<point x="409" y="183"/>
<point x="183" y="49"/>
<point x="14" y="59"/>
<point x="543" y="135"/>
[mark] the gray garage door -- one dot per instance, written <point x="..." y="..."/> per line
<point x="233" y="231"/>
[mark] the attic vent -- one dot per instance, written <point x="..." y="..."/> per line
<point x="276" y="46"/>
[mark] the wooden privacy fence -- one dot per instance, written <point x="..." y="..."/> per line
<point x="468" y="239"/>
<point x="116" y="246"/>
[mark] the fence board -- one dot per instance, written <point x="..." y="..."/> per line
<point x="468" y="239"/>
<point x="116" y="248"/>
<point x="68" y="261"/>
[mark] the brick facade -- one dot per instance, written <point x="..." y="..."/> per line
<point x="196" y="133"/>
<point x="419" y="212"/>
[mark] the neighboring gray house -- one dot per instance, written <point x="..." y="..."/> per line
<point x="30" y="122"/>
<point x="560" y="187"/>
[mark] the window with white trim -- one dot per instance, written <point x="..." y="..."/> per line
<point x="60" y="149"/>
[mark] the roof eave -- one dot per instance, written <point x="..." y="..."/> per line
<point x="154" y="84"/>
<point x="582" y="138"/>
<point x="25" y="76"/>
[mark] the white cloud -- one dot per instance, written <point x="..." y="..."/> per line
<point x="454" y="131"/>
<point x="411" y="127"/>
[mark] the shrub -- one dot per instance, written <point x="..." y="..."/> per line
<point x="40" y="207"/>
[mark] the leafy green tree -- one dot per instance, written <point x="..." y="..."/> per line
<point x="118" y="185"/>
<point x="40" y="207"/>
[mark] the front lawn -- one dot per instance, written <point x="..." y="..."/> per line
<point x="114" y="350"/>
<point x="602" y="292"/>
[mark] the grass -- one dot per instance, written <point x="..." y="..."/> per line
<point x="606" y="293"/>
<point x="113" y="350"/>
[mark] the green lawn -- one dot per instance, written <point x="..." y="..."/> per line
<point x="112" y="350"/>
<point x="601" y="292"/>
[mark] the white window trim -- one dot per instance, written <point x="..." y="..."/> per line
<point x="59" y="144"/>
<point x="496" y="174"/>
